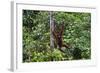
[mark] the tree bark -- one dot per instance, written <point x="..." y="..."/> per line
<point x="51" y="29"/>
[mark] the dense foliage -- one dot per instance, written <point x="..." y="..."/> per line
<point x="36" y="36"/>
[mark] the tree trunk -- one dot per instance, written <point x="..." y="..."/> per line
<point x="51" y="29"/>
